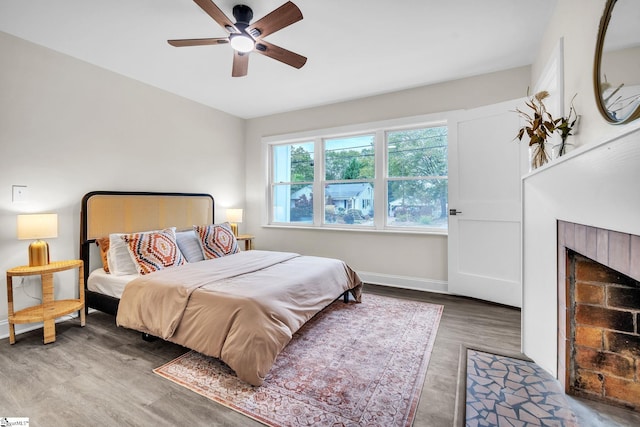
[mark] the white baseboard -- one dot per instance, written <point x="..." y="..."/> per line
<point x="22" y="328"/>
<point x="404" y="282"/>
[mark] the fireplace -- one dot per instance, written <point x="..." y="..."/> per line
<point x="599" y="314"/>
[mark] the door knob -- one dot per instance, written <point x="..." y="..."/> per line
<point x="454" y="212"/>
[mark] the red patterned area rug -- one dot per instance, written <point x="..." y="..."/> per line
<point x="351" y="365"/>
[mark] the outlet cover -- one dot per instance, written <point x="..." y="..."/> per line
<point x="19" y="193"/>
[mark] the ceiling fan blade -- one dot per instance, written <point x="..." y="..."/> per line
<point x="198" y="42"/>
<point x="217" y="15"/>
<point x="240" y="64"/>
<point x="280" y="54"/>
<point x="283" y="16"/>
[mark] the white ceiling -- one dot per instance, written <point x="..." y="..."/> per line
<point x="355" y="48"/>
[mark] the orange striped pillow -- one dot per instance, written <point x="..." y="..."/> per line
<point x="103" y="244"/>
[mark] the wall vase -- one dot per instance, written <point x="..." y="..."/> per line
<point x="561" y="149"/>
<point x="539" y="155"/>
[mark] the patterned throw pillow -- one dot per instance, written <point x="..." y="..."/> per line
<point x="153" y="251"/>
<point x="217" y="240"/>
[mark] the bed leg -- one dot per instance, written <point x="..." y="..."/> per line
<point x="148" y="338"/>
<point x="345" y="297"/>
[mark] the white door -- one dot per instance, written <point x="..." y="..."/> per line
<point x="485" y="205"/>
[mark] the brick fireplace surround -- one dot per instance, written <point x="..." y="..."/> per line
<point x="599" y="314"/>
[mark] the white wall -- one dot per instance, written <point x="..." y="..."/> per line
<point x="67" y="128"/>
<point x="411" y="260"/>
<point x="595" y="185"/>
<point x="577" y="22"/>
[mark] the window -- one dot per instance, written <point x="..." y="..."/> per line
<point x="417" y="177"/>
<point x="349" y="179"/>
<point x="292" y="188"/>
<point x="378" y="179"/>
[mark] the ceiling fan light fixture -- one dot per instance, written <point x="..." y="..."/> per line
<point x="242" y="43"/>
<point x="245" y="37"/>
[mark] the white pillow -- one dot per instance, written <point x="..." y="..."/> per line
<point x="189" y="245"/>
<point x="119" y="259"/>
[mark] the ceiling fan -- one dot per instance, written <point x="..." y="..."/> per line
<point x="245" y="37"/>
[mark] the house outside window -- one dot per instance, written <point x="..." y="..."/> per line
<point x="349" y="164"/>
<point x="381" y="179"/>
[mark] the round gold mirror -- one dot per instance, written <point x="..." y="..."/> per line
<point x="616" y="74"/>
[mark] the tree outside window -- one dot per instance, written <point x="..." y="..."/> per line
<point x="348" y="185"/>
<point x="417" y="180"/>
<point x="292" y="182"/>
<point x="411" y="186"/>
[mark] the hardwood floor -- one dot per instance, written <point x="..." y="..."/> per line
<point x="102" y="374"/>
<point x="464" y="321"/>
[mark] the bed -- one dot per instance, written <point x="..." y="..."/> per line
<point x="241" y="307"/>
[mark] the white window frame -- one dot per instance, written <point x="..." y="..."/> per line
<point x="380" y="199"/>
<point x="374" y="181"/>
<point x="387" y="179"/>
<point x="271" y="185"/>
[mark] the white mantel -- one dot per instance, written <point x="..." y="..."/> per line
<point x="597" y="186"/>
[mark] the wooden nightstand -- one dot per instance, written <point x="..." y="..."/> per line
<point x="50" y="309"/>
<point x="248" y="240"/>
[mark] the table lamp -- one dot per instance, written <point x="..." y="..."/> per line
<point x="38" y="226"/>
<point x="234" y="216"/>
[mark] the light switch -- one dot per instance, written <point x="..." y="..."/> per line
<point x="19" y="193"/>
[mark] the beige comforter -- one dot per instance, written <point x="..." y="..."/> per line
<point x="242" y="308"/>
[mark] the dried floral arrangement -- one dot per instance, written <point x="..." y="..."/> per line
<point x="540" y="125"/>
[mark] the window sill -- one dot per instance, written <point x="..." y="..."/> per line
<point x="443" y="233"/>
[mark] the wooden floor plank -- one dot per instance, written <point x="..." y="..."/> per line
<point x="102" y="374"/>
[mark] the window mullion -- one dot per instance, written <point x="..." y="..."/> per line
<point x="380" y="185"/>
<point x="318" y="173"/>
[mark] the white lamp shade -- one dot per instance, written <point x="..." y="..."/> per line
<point x="37" y="226"/>
<point x="234" y="215"/>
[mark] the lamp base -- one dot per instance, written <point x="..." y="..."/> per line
<point x="38" y="253"/>
<point x="234" y="228"/>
